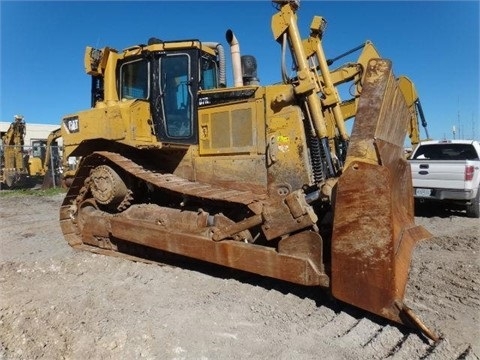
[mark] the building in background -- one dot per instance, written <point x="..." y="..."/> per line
<point x="33" y="131"/>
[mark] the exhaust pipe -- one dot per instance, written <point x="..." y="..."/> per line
<point x="236" y="59"/>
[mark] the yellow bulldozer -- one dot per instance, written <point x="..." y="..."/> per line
<point x="261" y="178"/>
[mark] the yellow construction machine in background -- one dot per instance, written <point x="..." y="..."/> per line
<point x="352" y="73"/>
<point x="261" y="178"/>
<point x="24" y="166"/>
<point x="416" y="112"/>
<point x="47" y="160"/>
<point x="13" y="165"/>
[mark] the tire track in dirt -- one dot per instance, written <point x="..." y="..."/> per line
<point x="59" y="303"/>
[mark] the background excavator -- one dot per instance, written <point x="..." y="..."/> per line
<point x="13" y="164"/>
<point x="416" y="113"/>
<point x="352" y="72"/>
<point x="48" y="163"/>
<point x="261" y="178"/>
<point x="24" y="166"/>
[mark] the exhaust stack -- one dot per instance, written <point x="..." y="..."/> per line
<point x="236" y="58"/>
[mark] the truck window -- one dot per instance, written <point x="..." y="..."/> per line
<point x="134" y="80"/>
<point x="446" y="152"/>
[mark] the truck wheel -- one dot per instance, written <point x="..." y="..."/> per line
<point x="473" y="210"/>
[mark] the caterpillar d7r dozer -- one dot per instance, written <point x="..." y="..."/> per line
<point x="264" y="179"/>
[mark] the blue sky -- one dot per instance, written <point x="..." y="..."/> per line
<point x="434" y="43"/>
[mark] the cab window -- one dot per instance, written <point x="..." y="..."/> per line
<point x="208" y="79"/>
<point x="446" y="151"/>
<point x="38" y="149"/>
<point x="134" y="80"/>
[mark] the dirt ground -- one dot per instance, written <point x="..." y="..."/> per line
<point x="58" y="303"/>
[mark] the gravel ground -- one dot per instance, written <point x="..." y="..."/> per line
<point x="58" y="303"/>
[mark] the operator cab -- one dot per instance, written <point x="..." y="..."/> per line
<point x="170" y="81"/>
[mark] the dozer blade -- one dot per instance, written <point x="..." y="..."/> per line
<point x="373" y="230"/>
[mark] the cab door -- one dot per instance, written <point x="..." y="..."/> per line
<point x="174" y="105"/>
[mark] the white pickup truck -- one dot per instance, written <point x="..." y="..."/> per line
<point x="447" y="172"/>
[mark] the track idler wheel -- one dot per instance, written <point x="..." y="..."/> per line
<point x="107" y="187"/>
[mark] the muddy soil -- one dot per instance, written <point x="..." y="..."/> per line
<point x="58" y="303"/>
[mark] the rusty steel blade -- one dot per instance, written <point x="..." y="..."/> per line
<point x="374" y="231"/>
